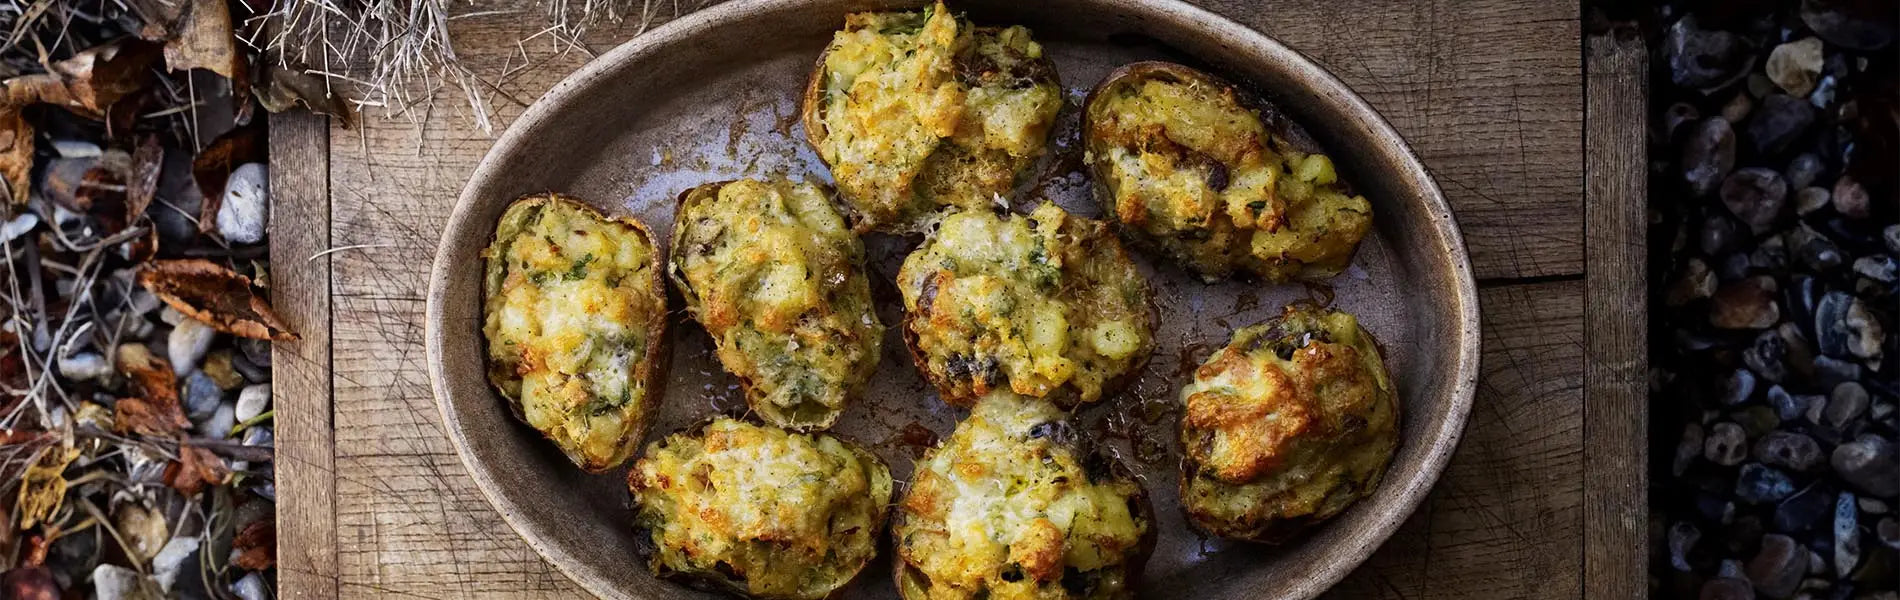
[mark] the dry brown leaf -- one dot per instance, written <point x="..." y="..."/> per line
<point x="43" y="486"/>
<point x="196" y="468"/>
<point x="155" y="412"/>
<point x="205" y="40"/>
<point x="288" y="88"/>
<point x="213" y="166"/>
<point x="256" y="545"/>
<point x="16" y="153"/>
<point x="216" y="295"/>
<point x="148" y="162"/>
<point x="90" y="82"/>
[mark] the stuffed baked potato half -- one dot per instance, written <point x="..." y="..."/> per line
<point x="772" y="272"/>
<point x="914" y="111"/>
<point x="1046" y="305"/>
<point x="1286" y="426"/>
<point x="759" y="511"/>
<point x="1217" y="180"/>
<point x="1014" y="505"/>
<point x="574" y="317"/>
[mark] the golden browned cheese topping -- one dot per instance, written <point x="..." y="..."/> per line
<point x="1185" y="166"/>
<point x="1287" y="425"/>
<point x="918" y="110"/>
<point x="1045" y="306"/>
<point x="573" y="301"/>
<point x="1009" y="508"/>
<point x="760" y="510"/>
<point x="771" y="271"/>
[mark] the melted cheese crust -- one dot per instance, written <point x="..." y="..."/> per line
<point x="762" y="511"/>
<point x="572" y="300"/>
<point x="1046" y="306"/>
<point x="1288" y="425"/>
<point x="920" y="110"/>
<point x="771" y="271"/>
<point x="1184" y="166"/>
<point x="1006" y="508"/>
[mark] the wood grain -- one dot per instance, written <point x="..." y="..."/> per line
<point x="1489" y="92"/>
<point x="300" y="371"/>
<point x="1615" y="361"/>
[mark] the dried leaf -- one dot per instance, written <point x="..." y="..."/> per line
<point x="196" y="468"/>
<point x="148" y="162"/>
<point x="216" y="295"/>
<point x="205" y="40"/>
<point x="43" y="487"/>
<point x="155" y="412"/>
<point x="16" y="153"/>
<point x="91" y="81"/>
<point x="288" y="88"/>
<point x="256" y="545"/>
<point x="213" y="166"/>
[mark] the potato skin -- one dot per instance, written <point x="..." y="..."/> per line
<point x="1192" y="167"/>
<point x="588" y="384"/>
<point x="916" y="111"/>
<point x="771" y="271"/>
<point x="1053" y="517"/>
<point x="1286" y="426"/>
<point x="1046" y="305"/>
<point x="759" y="511"/>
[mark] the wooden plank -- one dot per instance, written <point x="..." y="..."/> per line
<point x="300" y="371"/>
<point x="1615" y="360"/>
<point x="1489" y="93"/>
<point x="1505" y="519"/>
<point x="1505" y="522"/>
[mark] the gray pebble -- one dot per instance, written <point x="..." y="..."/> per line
<point x="201" y="395"/>
<point x="1878" y="267"/>
<point x="1708" y="155"/>
<point x="1682" y="538"/>
<point x="1761" y="484"/>
<point x="1755" y="195"/>
<point x="251" y="587"/>
<point x="1777" y="568"/>
<point x="1845" y="404"/>
<point x="253" y="401"/>
<point x="187" y="344"/>
<point x="1811" y="199"/>
<point x="1868" y="463"/>
<point x="1846" y="535"/>
<point x="1803" y="169"/>
<point x="219" y="424"/>
<point x="1727" y="445"/>
<point x="245" y="213"/>
<point x="1788" y="450"/>
<point x="84" y="366"/>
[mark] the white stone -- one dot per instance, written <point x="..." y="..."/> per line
<point x="18" y="226"/>
<point x="253" y="401"/>
<point x="165" y="566"/>
<point x="251" y="587"/>
<point x="84" y="366"/>
<point x="220" y="423"/>
<point x="187" y="345"/>
<point x="76" y="149"/>
<point x="245" y="211"/>
<point x="113" y="582"/>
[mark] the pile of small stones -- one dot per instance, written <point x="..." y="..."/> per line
<point x="1775" y="471"/>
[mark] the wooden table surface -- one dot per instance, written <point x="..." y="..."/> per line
<point x="1544" y="496"/>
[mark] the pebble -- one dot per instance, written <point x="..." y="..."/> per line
<point x="1845" y="404"/>
<point x="1811" y="199"/>
<point x="1726" y="588"/>
<point x="1697" y="282"/>
<point x="1873" y="506"/>
<point x="1802" y="511"/>
<point x="1718" y="234"/>
<point x="76" y="149"/>
<point x="187" y="345"/>
<point x="1738" y="388"/>
<point x="218" y="365"/>
<point x="1778" y="121"/>
<point x="1787" y="406"/>
<point x="1704" y="58"/>
<point x="251" y="587"/>
<point x="1677" y="115"/>
<point x="1889" y="532"/>
<point x="1789" y="450"/>
<point x="256" y="351"/>
<point x="1756" y="196"/>
<point x="1738" y="107"/>
<point x="84" y="366"/>
<point x="251" y="372"/>
<point x="1845" y="328"/>
<point x="1687" y="449"/>
<point x="1715" y="508"/>
<point x="1745" y="304"/>
<point x="1708" y="155"/>
<point x="1834" y="371"/>
<point x="1878" y="267"/>
<point x="1726" y="444"/>
<point x="245" y="212"/>
<point x="1761" y="484"/>
<point x="253" y="401"/>
<point x="1857" y="25"/>
<point x="113" y="582"/>
<point x="1850" y="198"/>
<point x="1823" y="93"/>
<point x="1868" y="463"/>
<point x="219" y="425"/>
<point x="1794" y="66"/>
<point x="144" y="530"/>
<point x="1777" y="568"/>
<point x="1756" y="421"/>
<point x="1891" y="235"/>
<point x="1800" y="354"/>
<point x="260" y="436"/>
<point x="1816" y="250"/>
<point x="1846" y="535"/>
<point x="1816" y="564"/>
<point x="1764" y="357"/>
<point x="166" y="566"/>
<point x="1803" y="169"/>
<point x="18" y="226"/>
<point x="1682" y="538"/>
<point x="201" y="396"/>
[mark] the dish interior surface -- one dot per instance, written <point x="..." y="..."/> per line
<point x="716" y="97"/>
